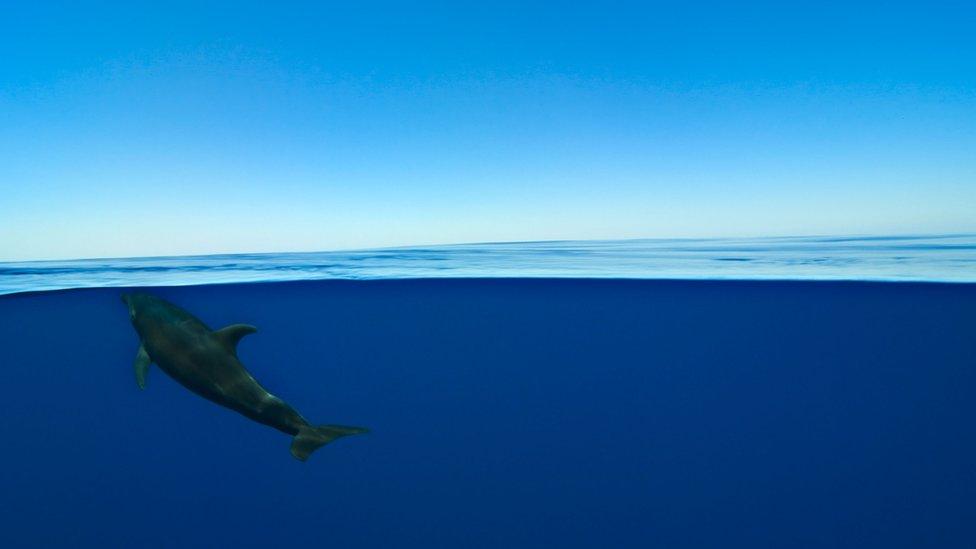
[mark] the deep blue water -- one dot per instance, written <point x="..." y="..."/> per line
<point x="944" y="258"/>
<point x="506" y="413"/>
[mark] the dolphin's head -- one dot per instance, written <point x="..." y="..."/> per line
<point x="133" y="302"/>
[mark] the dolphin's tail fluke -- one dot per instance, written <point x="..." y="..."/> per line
<point x="310" y="438"/>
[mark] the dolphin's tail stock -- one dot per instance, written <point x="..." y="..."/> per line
<point x="310" y="438"/>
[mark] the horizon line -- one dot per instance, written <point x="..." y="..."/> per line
<point x="850" y="236"/>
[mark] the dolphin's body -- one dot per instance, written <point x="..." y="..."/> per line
<point x="205" y="362"/>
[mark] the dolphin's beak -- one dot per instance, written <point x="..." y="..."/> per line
<point x="127" y="299"/>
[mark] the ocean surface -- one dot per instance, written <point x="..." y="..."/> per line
<point x="591" y="395"/>
<point x="945" y="258"/>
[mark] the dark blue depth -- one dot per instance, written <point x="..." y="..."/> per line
<point x="506" y="413"/>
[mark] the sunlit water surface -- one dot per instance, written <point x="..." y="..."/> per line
<point x="943" y="258"/>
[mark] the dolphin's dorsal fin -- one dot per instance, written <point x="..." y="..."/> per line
<point x="230" y="335"/>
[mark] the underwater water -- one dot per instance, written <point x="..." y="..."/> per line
<point x="506" y="412"/>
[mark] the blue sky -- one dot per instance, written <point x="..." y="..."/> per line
<point x="237" y="127"/>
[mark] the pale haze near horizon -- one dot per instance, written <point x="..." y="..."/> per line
<point x="133" y="132"/>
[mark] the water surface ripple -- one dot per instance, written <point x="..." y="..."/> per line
<point x="937" y="258"/>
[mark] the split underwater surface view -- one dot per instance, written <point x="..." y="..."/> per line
<point x="801" y="392"/>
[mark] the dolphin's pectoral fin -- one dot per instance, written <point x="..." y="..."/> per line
<point x="142" y="366"/>
<point x="230" y="335"/>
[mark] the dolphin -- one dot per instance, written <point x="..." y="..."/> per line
<point x="205" y="362"/>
